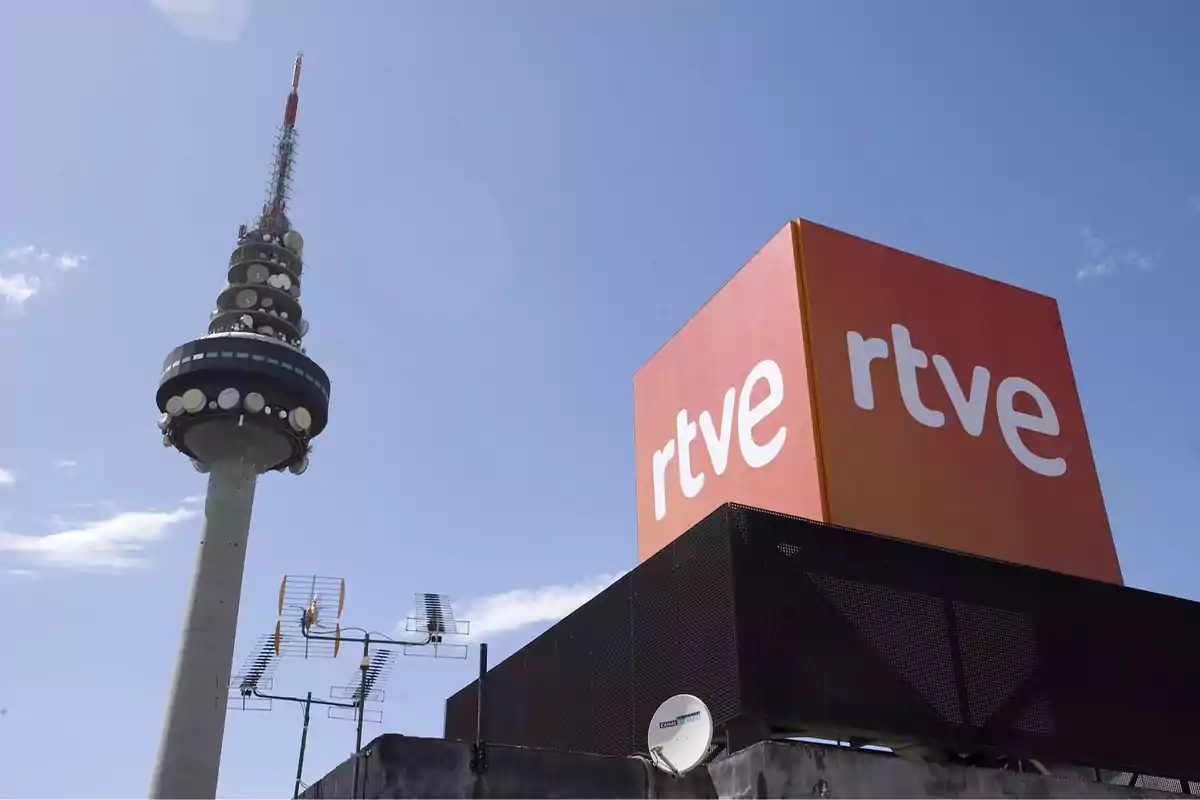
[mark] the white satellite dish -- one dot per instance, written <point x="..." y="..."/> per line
<point x="680" y="734"/>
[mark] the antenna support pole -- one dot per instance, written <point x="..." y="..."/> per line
<point x="362" y="702"/>
<point x="479" y="762"/>
<point x="303" y="743"/>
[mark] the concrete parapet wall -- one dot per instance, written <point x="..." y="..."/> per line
<point x="406" y="767"/>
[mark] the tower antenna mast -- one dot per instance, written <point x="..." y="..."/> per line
<point x="274" y="215"/>
<point x="242" y="399"/>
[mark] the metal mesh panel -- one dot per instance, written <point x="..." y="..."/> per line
<point x="909" y="629"/>
<point x="592" y="682"/>
<point x="809" y="641"/>
<point x="569" y="689"/>
<point x="812" y="629"/>
<point x="1033" y="657"/>
<point x="684" y="636"/>
<point x="611" y="657"/>
<point x="999" y="653"/>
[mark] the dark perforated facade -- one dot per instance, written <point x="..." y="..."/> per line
<point x="804" y="628"/>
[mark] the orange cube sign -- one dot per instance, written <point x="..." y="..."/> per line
<point x="848" y="382"/>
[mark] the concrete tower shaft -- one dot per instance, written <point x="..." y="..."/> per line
<point x="241" y="400"/>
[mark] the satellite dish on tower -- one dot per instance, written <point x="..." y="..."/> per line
<point x="681" y="732"/>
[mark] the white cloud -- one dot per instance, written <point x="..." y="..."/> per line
<point x="519" y="608"/>
<point x="193" y="499"/>
<point x="66" y="464"/>
<point x="27" y="252"/>
<point x="1099" y="260"/>
<point x="116" y="543"/>
<point x="68" y="260"/>
<point x="214" y="20"/>
<point x="7" y="477"/>
<point x="19" y="254"/>
<point x="18" y="288"/>
<point x="21" y="573"/>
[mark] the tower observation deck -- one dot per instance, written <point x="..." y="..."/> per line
<point x="241" y="400"/>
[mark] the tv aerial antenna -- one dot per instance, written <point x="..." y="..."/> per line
<point x="680" y="734"/>
<point x="316" y="602"/>
<point x="309" y="607"/>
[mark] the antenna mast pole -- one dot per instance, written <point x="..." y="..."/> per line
<point x="274" y="217"/>
<point x="303" y="742"/>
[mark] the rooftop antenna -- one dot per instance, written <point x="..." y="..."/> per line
<point x="250" y="690"/>
<point x="316" y="602"/>
<point x="365" y="686"/>
<point x="257" y="673"/>
<point x="432" y="622"/>
<point x="680" y="734"/>
<point x="434" y="618"/>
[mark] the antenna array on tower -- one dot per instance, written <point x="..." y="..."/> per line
<point x="309" y="604"/>
<point x="365" y="686"/>
<point x="256" y="674"/>
<point x="434" y="619"/>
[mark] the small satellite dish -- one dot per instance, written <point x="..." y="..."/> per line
<point x="680" y="734"/>
<point x="293" y="241"/>
<point x="257" y="273"/>
<point x="304" y="327"/>
<point x="228" y="398"/>
<point x="194" y="400"/>
<point x="246" y="298"/>
<point x="300" y="419"/>
<point x="254" y="402"/>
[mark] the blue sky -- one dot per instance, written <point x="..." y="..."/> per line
<point x="507" y="208"/>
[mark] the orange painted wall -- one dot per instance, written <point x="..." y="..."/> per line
<point x="967" y="469"/>
<point x="964" y="487"/>
<point x="753" y="318"/>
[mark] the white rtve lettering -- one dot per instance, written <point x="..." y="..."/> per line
<point x="970" y="406"/>
<point x="717" y="442"/>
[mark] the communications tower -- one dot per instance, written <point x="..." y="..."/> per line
<point x="241" y="400"/>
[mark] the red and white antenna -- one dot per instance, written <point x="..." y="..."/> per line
<point x="274" y="217"/>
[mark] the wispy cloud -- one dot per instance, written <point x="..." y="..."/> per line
<point x="193" y="499"/>
<point x="65" y="464"/>
<point x="70" y="260"/>
<point x="214" y="20"/>
<point x="118" y="542"/>
<point x="7" y="477"/>
<point x="16" y="288"/>
<point x="520" y="608"/>
<point x="1100" y="261"/>
<point x="19" y="254"/>
<point x="31" y="254"/>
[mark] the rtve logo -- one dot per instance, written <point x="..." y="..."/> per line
<point x="717" y="443"/>
<point x="970" y="408"/>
